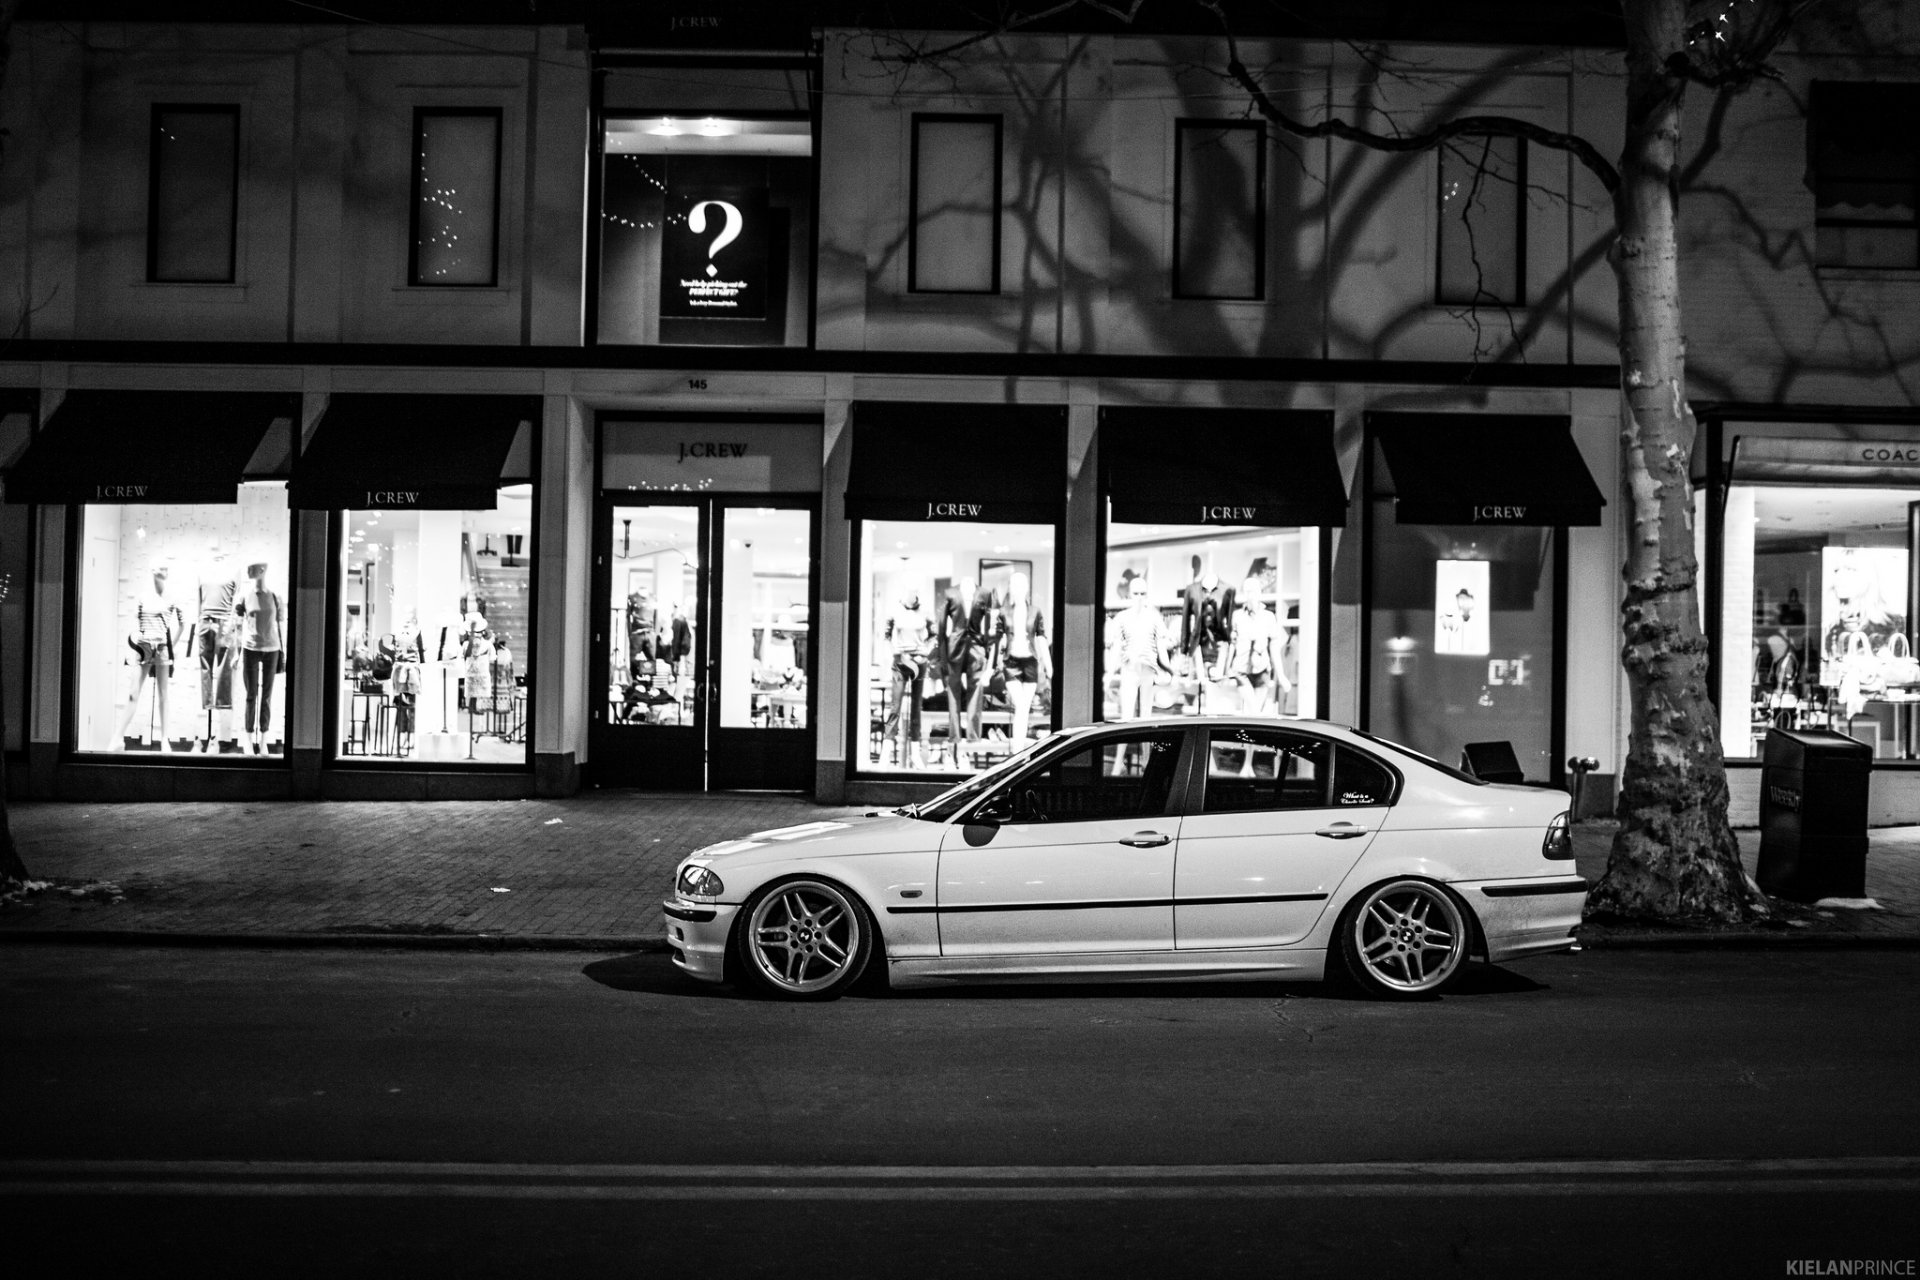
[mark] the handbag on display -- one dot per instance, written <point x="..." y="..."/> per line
<point x="1898" y="666"/>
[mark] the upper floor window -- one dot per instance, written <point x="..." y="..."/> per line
<point x="1866" y="175"/>
<point x="1219" y="210"/>
<point x="953" y="241"/>
<point x="1482" y="229"/>
<point x="705" y="229"/>
<point x="193" y="193"/>
<point x="456" y="197"/>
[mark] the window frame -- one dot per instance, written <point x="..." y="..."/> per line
<point x="1815" y="177"/>
<point x="913" y="198"/>
<point x="420" y="116"/>
<point x="1203" y="756"/>
<point x="1179" y="787"/>
<point x="1519" y="235"/>
<point x="1258" y="129"/>
<point x="156" y="110"/>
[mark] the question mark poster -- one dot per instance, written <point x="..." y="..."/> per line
<point x="713" y="257"/>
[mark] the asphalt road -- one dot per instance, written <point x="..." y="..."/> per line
<point x="370" y="1112"/>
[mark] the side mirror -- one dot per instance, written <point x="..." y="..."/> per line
<point x="993" y="811"/>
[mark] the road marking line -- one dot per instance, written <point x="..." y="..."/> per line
<point x="943" y="1194"/>
<point x="522" y="1181"/>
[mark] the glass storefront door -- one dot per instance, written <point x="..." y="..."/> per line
<point x="704" y="613"/>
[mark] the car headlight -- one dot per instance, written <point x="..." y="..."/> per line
<point x="701" y="882"/>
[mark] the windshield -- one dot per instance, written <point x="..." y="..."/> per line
<point x="950" y="802"/>
<point x="1426" y="760"/>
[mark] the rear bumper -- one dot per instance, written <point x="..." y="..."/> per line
<point x="1527" y="917"/>
<point x="697" y="936"/>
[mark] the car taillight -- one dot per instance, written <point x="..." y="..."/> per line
<point x="1558" y="842"/>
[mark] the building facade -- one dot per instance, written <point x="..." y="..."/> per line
<point x="501" y="409"/>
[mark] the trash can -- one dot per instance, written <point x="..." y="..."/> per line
<point x="1813" y="815"/>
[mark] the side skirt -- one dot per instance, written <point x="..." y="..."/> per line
<point x="1264" y="965"/>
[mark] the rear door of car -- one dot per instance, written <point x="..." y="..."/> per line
<point x="1275" y="820"/>
<point x="1083" y="860"/>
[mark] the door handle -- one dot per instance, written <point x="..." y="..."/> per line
<point x="1341" y="831"/>
<point x="1145" y="840"/>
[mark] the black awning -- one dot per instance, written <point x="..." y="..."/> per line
<point x="1222" y="466"/>
<point x="973" y="462"/>
<point x="146" y="446"/>
<point x="1459" y="468"/>
<point x="425" y="452"/>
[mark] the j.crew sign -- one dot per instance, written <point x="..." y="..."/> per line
<point x="392" y="498"/>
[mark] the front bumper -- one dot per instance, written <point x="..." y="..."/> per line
<point x="697" y="936"/>
<point x="1527" y="917"/>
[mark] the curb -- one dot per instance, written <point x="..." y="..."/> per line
<point x="320" y="941"/>
<point x="1748" y="941"/>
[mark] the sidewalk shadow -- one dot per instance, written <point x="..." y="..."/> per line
<point x="653" y="973"/>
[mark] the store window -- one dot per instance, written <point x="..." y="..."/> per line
<point x="958" y="646"/>
<point x="184" y="626"/>
<point x="1211" y="592"/>
<point x="437" y="614"/>
<point x="954" y="237"/>
<point x="1482" y="229"/>
<point x="1210" y="620"/>
<point x="1817" y="593"/>
<point x="1465" y="581"/>
<point x="1219" y="210"/>
<point x="433" y="506"/>
<point x="456" y="197"/>
<point x="193" y="193"/>
<point x="705" y="229"/>
<point x="1866" y="175"/>
<point x="956" y="650"/>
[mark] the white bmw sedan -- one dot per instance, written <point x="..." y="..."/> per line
<point x="1155" y="849"/>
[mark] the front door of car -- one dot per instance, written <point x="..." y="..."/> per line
<point x="1077" y="855"/>
<point x="1281" y="818"/>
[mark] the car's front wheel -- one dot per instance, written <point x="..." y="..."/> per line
<point x="804" y="939"/>
<point x="1404" y="939"/>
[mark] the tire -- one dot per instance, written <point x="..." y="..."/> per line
<point x="1404" y="939"/>
<point x="803" y="938"/>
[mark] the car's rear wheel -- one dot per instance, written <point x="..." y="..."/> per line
<point x="804" y="939"/>
<point x="1404" y="939"/>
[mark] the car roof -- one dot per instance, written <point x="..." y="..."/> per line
<point x="1186" y="722"/>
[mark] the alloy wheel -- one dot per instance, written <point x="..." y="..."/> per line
<point x="806" y="939"/>
<point x="1405" y="938"/>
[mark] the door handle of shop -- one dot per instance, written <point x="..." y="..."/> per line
<point x="1145" y="840"/>
<point x="1341" y="831"/>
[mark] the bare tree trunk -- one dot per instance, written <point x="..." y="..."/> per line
<point x="1675" y="856"/>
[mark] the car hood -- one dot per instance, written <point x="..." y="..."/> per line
<point x="829" y="838"/>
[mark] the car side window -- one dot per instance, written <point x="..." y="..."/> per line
<point x="1257" y="769"/>
<point x="1130" y="777"/>
<point x="1360" y="779"/>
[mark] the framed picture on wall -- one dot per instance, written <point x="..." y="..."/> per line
<point x="997" y="576"/>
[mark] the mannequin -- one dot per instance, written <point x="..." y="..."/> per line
<point x="262" y="632"/>
<point x="1028" y="659"/>
<point x="157" y="625"/>
<point x="908" y="630"/>
<point x="959" y="662"/>
<point x="1206" y="618"/>
<point x="1254" y="658"/>
<point x="1142" y="645"/>
<point x="477" y="649"/>
<point x="986" y="652"/>
<point x="216" y="640"/>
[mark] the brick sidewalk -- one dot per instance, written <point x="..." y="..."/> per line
<point x="430" y="870"/>
<point x="586" y="868"/>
